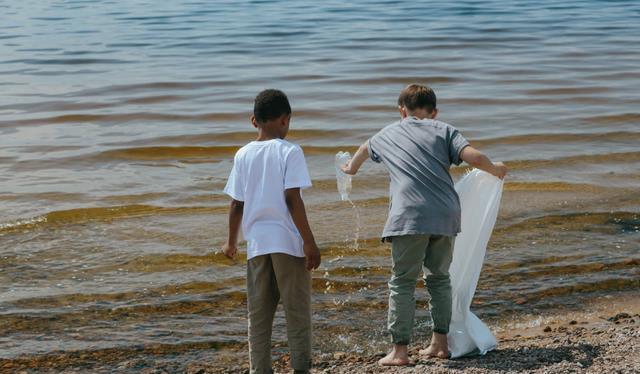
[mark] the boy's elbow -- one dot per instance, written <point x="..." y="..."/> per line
<point x="475" y="160"/>
<point x="237" y="205"/>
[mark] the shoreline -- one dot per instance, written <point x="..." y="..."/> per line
<point x="603" y="336"/>
<point x="597" y="334"/>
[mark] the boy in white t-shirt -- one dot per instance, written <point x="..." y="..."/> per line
<point x="265" y="184"/>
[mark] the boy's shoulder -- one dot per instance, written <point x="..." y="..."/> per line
<point x="436" y="127"/>
<point x="287" y="145"/>
<point x="243" y="150"/>
<point x="436" y="123"/>
<point x="445" y="125"/>
<point x="389" y="127"/>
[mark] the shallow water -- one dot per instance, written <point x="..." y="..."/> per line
<point x="119" y="121"/>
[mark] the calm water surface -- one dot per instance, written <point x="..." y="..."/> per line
<point x="119" y="121"/>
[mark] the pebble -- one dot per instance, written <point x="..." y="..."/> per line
<point x="339" y="355"/>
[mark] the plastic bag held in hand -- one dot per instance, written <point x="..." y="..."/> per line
<point x="343" y="179"/>
<point x="480" y="195"/>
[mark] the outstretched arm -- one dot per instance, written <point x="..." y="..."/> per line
<point x="480" y="161"/>
<point x="299" y="216"/>
<point x="236" y="209"/>
<point x="357" y="160"/>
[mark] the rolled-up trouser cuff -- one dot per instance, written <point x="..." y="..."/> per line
<point x="261" y="371"/>
<point x="441" y="331"/>
<point x="301" y="364"/>
<point x="400" y="340"/>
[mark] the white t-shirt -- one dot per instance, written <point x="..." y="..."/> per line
<point x="262" y="171"/>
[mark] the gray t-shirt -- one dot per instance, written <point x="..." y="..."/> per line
<point x="418" y="154"/>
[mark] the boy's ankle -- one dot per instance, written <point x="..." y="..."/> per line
<point x="401" y="348"/>
<point x="439" y="340"/>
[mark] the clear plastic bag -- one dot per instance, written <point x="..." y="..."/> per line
<point x="343" y="179"/>
<point x="480" y="195"/>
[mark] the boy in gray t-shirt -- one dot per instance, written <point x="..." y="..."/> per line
<point x="424" y="212"/>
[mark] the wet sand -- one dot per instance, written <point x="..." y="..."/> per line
<point x="603" y="336"/>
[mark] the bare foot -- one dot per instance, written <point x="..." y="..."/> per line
<point x="397" y="357"/>
<point x="435" y="352"/>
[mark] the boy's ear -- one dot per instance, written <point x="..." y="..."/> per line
<point x="434" y="114"/>
<point x="286" y="119"/>
<point x="254" y="122"/>
<point x="403" y="111"/>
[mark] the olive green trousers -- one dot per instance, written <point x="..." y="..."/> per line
<point x="410" y="254"/>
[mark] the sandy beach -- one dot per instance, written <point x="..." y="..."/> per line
<point x="604" y="336"/>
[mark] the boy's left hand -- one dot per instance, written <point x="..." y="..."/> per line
<point x="230" y="251"/>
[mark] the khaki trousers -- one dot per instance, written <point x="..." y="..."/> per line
<point x="410" y="254"/>
<point x="270" y="278"/>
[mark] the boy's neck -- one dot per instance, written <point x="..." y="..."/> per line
<point x="264" y="134"/>
<point x="422" y="114"/>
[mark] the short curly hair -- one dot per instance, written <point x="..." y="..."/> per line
<point x="416" y="96"/>
<point x="270" y="104"/>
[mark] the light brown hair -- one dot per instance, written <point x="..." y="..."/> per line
<point x="416" y="96"/>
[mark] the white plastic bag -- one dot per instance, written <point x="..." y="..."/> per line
<point x="480" y="195"/>
<point x="343" y="179"/>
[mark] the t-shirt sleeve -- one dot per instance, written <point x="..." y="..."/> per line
<point x="296" y="174"/>
<point x="372" y="146"/>
<point x="456" y="145"/>
<point x="235" y="183"/>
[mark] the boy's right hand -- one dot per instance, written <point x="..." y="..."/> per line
<point x="312" y="256"/>
<point x="500" y="170"/>
<point x="347" y="169"/>
<point x="230" y="251"/>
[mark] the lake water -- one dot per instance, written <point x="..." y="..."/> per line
<point x="119" y="121"/>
